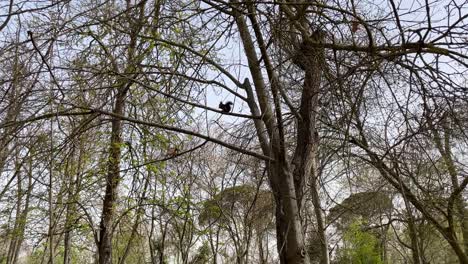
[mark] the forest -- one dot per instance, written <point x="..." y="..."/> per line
<point x="234" y="131"/>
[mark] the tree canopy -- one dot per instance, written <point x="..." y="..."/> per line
<point x="344" y="142"/>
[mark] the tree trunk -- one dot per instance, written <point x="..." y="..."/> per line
<point x="261" y="253"/>
<point x="67" y="235"/>
<point x="13" y="248"/>
<point x="286" y="189"/>
<point x="290" y="239"/>
<point x="21" y="217"/>
<point x="324" y="255"/>
<point x="113" y="169"/>
<point x="413" y="236"/>
<point x="311" y="60"/>
<point x="72" y="193"/>
<point x="112" y="182"/>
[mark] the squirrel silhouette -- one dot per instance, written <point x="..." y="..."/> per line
<point x="226" y="108"/>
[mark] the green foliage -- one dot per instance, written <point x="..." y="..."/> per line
<point x="360" y="247"/>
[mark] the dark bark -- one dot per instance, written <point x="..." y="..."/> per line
<point x="414" y="239"/>
<point x="136" y="21"/>
<point x="290" y="240"/>
<point x="287" y="184"/>
<point x="112" y="181"/>
<point x="305" y="160"/>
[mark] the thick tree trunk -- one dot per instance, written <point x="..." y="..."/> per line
<point x="67" y="236"/>
<point x="290" y="238"/>
<point x="311" y="60"/>
<point x="464" y="223"/>
<point x="289" y="233"/>
<point x="416" y="254"/>
<point x="113" y="170"/>
<point x="112" y="182"/>
<point x="414" y="242"/>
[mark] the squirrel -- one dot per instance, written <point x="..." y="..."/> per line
<point x="225" y="108"/>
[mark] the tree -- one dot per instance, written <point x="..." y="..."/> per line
<point x="108" y="118"/>
<point x="240" y="211"/>
<point x="359" y="247"/>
